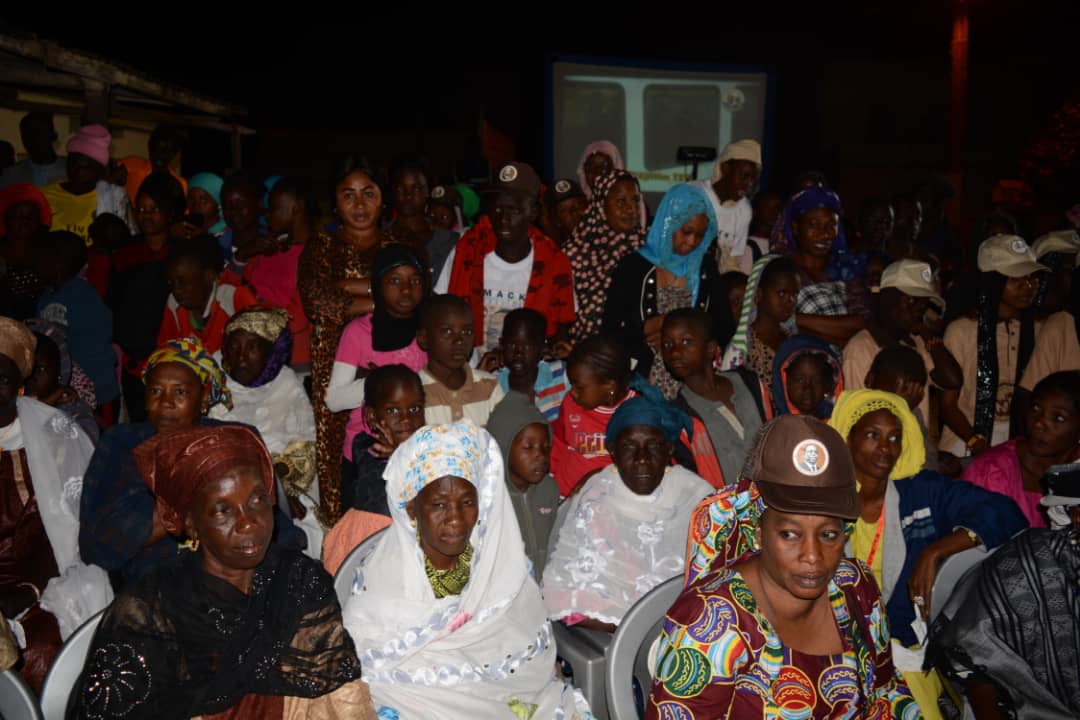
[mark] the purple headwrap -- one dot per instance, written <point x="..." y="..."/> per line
<point x="804" y="200"/>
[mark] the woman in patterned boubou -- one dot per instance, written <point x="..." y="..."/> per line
<point x="773" y="621"/>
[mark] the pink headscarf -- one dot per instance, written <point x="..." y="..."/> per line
<point x="92" y="141"/>
<point x="607" y="148"/>
<point x="599" y="146"/>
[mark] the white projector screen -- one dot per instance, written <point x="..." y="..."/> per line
<point x="648" y="112"/>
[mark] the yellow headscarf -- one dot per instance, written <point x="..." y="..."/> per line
<point x="190" y="353"/>
<point x="854" y="404"/>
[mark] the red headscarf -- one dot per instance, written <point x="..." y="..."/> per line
<point x="176" y="464"/>
<point x="19" y="193"/>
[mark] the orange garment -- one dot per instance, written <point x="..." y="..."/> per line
<point x="354" y="527"/>
<point x="138" y="169"/>
<point x="226" y="302"/>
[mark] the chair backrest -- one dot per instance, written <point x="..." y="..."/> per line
<point x="16" y="700"/>
<point x="627" y="655"/>
<point x="346" y="574"/>
<point x="949" y="574"/>
<point x="66" y="669"/>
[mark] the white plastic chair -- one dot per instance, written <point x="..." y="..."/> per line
<point x="584" y="650"/>
<point x="950" y="573"/>
<point x="66" y="669"/>
<point x="16" y="700"/>
<point x="628" y="654"/>
<point x="346" y="574"/>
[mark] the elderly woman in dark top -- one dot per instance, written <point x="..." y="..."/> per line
<point x="238" y="626"/>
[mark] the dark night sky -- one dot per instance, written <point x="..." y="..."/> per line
<point x="390" y="74"/>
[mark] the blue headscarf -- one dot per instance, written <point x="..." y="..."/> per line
<point x="211" y="184"/>
<point x="791" y="350"/>
<point x="649" y="410"/>
<point x="680" y="203"/>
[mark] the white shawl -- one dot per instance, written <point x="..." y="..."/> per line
<point x="613" y="545"/>
<point x="58" y="451"/>
<point x="487" y="653"/>
<point x="279" y="410"/>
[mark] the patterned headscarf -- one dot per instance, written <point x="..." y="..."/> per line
<point x="680" y="203"/>
<point x="594" y="249"/>
<point x="190" y="353"/>
<point x="723" y="529"/>
<point x="270" y="324"/>
<point x="435" y="451"/>
<point x="737" y="353"/>
<point x="853" y="405"/>
<point x="176" y="464"/>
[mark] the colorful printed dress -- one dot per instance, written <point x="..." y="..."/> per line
<point x="719" y="657"/>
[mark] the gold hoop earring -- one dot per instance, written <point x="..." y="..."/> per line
<point x="192" y="545"/>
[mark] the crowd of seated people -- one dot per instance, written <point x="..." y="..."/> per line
<point x="534" y="401"/>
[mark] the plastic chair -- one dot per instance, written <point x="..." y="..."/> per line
<point x="16" y="700"/>
<point x="584" y="651"/>
<point x="628" y="653"/>
<point x="950" y="573"/>
<point x="66" y="669"/>
<point x="346" y="574"/>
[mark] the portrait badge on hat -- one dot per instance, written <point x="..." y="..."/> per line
<point x="509" y="173"/>
<point x="438" y="192"/>
<point x="810" y="457"/>
<point x="927" y="275"/>
<point x="1019" y="246"/>
<point x="563" y="186"/>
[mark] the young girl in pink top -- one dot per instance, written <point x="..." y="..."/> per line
<point x="387" y="336"/>
<point x="1015" y="468"/>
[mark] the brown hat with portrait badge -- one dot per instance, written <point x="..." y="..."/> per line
<point x="801" y="465"/>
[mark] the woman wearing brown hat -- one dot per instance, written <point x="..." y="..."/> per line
<point x="774" y="620"/>
<point x="235" y="625"/>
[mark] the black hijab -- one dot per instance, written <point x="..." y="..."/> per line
<point x="391" y="333"/>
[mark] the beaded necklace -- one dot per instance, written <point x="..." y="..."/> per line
<point x="451" y="581"/>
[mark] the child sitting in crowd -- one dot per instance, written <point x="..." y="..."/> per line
<point x="726" y="407"/>
<point x="393" y="410"/>
<point x="599" y="372"/>
<point x="452" y="388"/>
<point x="200" y="303"/>
<point x="524" y="437"/>
<point x="524" y="369"/>
<point x="807" y="377"/>
<point x="394" y="407"/>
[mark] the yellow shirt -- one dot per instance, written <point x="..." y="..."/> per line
<point x="73" y="213"/>
<point x="861" y="542"/>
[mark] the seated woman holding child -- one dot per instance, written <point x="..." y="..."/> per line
<point x="625" y="531"/>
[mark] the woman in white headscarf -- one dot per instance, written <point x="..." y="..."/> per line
<point x="446" y="617"/>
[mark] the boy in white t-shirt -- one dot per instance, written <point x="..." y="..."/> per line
<point x="504" y="263"/>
